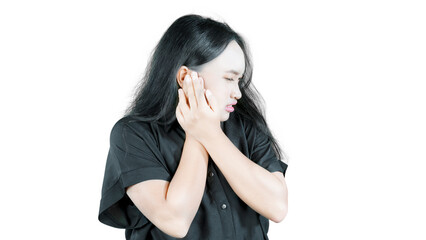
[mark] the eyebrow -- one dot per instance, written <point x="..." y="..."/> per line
<point x="233" y="71"/>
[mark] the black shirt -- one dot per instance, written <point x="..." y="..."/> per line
<point x="141" y="151"/>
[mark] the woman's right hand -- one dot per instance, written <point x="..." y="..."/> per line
<point x="201" y="119"/>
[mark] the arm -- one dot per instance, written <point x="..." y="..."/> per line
<point x="172" y="206"/>
<point x="260" y="189"/>
<point x="187" y="186"/>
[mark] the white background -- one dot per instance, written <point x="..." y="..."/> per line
<point x="343" y="82"/>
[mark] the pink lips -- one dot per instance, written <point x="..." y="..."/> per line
<point x="229" y="107"/>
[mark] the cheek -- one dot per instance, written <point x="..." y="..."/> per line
<point x="207" y="84"/>
<point x="218" y="90"/>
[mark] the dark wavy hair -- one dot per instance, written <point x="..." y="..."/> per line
<point x="193" y="40"/>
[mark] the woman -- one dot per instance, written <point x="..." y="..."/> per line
<point x="184" y="163"/>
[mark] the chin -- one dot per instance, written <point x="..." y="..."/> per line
<point x="225" y="116"/>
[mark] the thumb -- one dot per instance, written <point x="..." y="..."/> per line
<point x="212" y="100"/>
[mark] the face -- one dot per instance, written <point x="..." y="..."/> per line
<point x="221" y="76"/>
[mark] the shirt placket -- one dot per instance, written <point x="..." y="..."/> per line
<point x="222" y="203"/>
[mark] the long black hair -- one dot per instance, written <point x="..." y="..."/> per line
<point x="193" y="40"/>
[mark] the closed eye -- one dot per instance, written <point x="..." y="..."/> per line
<point x="230" y="79"/>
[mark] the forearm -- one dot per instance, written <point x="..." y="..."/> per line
<point x="187" y="185"/>
<point x="256" y="186"/>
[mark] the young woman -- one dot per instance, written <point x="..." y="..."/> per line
<point x="193" y="157"/>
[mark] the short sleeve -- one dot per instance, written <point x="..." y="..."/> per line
<point x="262" y="151"/>
<point x="132" y="158"/>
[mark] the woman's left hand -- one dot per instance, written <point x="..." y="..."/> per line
<point x="201" y="119"/>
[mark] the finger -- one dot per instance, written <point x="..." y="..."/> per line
<point x="179" y="115"/>
<point x="182" y="103"/>
<point x="202" y="82"/>
<point x="202" y="98"/>
<point x="191" y="93"/>
<point x="185" y="88"/>
<point x="212" y="100"/>
<point x="198" y="90"/>
<point x="194" y="75"/>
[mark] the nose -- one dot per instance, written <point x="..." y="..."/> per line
<point x="236" y="93"/>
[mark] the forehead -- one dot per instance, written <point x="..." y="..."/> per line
<point x="232" y="58"/>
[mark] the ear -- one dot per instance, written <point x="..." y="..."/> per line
<point x="180" y="76"/>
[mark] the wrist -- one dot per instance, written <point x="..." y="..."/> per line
<point x="213" y="137"/>
<point x="195" y="144"/>
<point x="191" y="139"/>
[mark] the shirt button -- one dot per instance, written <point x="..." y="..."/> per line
<point x="223" y="206"/>
<point x="211" y="174"/>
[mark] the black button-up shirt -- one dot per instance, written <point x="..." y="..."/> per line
<point x="141" y="151"/>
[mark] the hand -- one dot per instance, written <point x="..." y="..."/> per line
<point x="201" y="119"/>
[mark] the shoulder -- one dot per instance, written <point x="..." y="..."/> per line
<point x="130" y="121"/>
<point x="128" y="126"/>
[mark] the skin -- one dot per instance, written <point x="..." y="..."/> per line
<point x="200" y="115"/>
<point x="214" y="73"/>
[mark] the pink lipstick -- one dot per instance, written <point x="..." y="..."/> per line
<point x="229" y="108"/>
